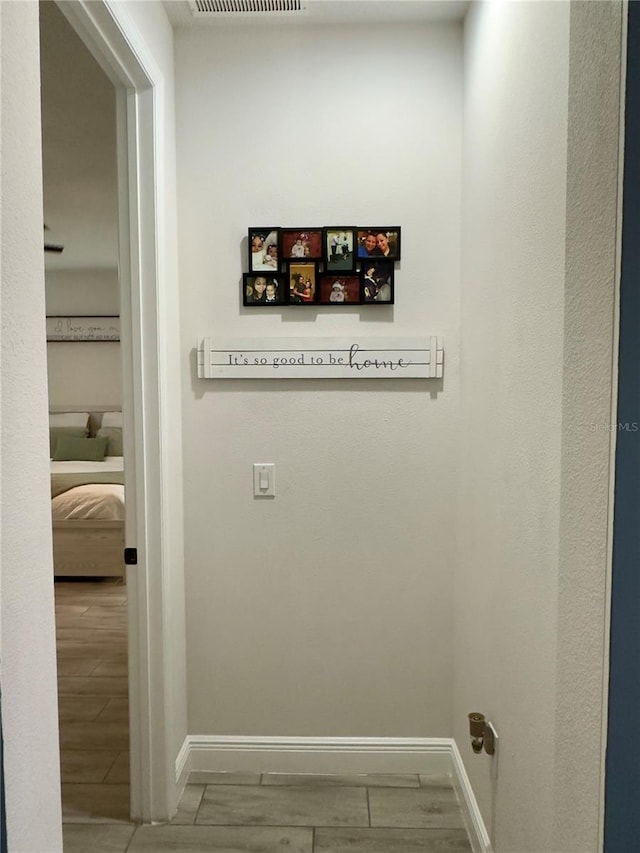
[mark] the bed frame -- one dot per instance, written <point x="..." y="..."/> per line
<point x="88" y="547"/>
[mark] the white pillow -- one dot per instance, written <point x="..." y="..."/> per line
<point x="112" y="419"/>
<point x="69" y="419"/>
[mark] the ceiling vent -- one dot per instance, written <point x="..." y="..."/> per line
<point x="244" y="8"/>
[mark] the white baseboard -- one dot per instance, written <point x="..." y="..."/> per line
<point x="182" y="765"/>
<point x="476" y="828"/>
<point x="427" y="756"/>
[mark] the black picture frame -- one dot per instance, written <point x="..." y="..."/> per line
<point x="339" y="248"/>
<point x="258" y="296"/>
<point x="260" y="259"/>
<point x="302" y="282"/>
<point x="339" y="290"/>
<point x="301" y="244"/>
<point x="387" y="239"/>
<point x="377" y="282"/>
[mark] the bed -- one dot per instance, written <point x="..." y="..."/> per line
<point x="87" y="494"/>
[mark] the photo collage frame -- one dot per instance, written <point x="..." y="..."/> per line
<point x="336" y="266"/>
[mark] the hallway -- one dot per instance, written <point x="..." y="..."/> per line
<point x="230" y="812"/>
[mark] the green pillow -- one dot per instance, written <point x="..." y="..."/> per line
<point x="57" y="432"/>
<point x="114" y="435"/>
<point x="80" y="449"/>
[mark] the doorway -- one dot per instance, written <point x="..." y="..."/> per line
<point x="80" y="194"/>
<point x="157" y="693"/>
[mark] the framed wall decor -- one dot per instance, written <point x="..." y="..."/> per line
<point x="376" y="282"/>
<point x="83" y="329"/>
<point x="264" y="249"/>
<point x="263" y="290"/>
<point x="301" y="244"/>
<point x="339" y="290"/>
<point x="303" y="282"/>
<point x="379" y="242"/>
<point x="339" y="248"/>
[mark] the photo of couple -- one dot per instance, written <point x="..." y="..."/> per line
<point x="379" y="243"/>
<point x="302" y="284"/>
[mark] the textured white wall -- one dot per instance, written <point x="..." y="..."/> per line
<point x="537" y="298"/>
<point x="589" y="361"/>
<point x="28" y="673"/>
<point x="84" y="374"/>
<point x="326" y="611"/>
<point x="514" y="189"/>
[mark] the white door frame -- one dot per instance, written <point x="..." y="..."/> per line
<point x="106" y="31"/>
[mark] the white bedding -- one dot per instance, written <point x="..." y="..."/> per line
<point x="103" y="501"/>
<point x="111" y="463"/>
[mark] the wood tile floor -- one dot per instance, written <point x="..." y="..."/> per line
<point x="91" y="628"/>
<point x="270" y="813"/>
<point x="218" y="812"/>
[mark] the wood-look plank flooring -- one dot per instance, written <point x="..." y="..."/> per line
<point x="91" y="628"/>
<point x="218" y="812"/>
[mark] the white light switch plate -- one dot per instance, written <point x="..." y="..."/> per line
<point x="264" y="479"/>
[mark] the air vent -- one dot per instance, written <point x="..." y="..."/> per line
<point x="244" y="8"/>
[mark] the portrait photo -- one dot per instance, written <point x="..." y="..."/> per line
<point x="339" y="290"/>
<point x="264" y="250"/>
<point x="301" y="244"/>
<point x="338" y="245"/>
<point x="376" y="281"/>
<point x="379" y="243"/>
<point x="263" y="290"/>
<point x="303" y="283"/>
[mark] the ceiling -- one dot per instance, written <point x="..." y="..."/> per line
<point x="331" y="12"/>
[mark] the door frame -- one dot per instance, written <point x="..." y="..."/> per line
<point x="111" y="37"/>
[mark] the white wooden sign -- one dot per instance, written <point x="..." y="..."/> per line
<point x="83" y="328"/>
<point x="320" y="358"/>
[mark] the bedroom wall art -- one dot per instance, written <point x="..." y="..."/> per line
<point x="98" y="329"/>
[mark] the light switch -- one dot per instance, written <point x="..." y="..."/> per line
<point x="264" y="485"/>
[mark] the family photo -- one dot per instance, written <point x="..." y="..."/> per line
<point x="263" y="290"/>
<point x="338" y="249"/>
<point x="302" y="283"/>
<point x="377" y="281"/>
<point x="302" y="244"/>
<point x="335" y="265"/>
<point x="379" y="243"/>
<point x="339" y="290"/>
<point x="264" y="249"/>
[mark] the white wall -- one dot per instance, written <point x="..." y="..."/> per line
<point x="27" y="638"/>
<point x="326" y="611"/>
<point x="537" y="309"/>
<point x="588" y="404"/>
<point x="85" y="374"/>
